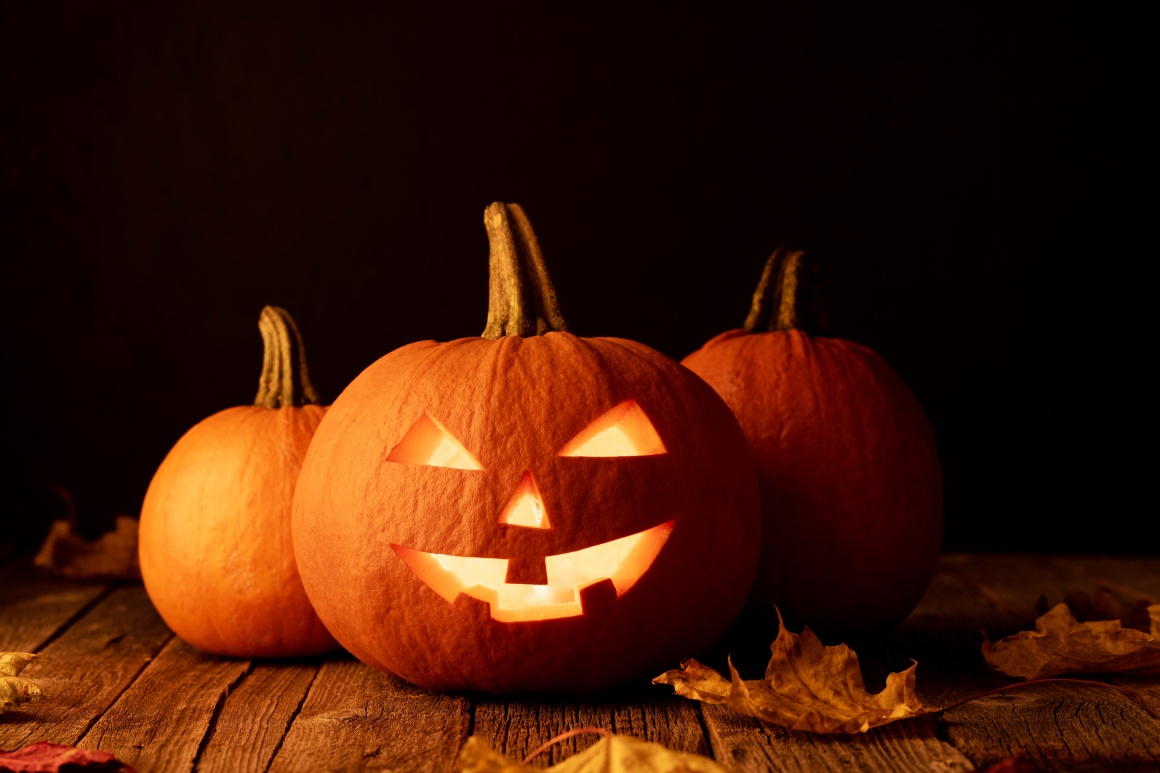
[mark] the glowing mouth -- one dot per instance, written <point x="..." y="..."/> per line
<point x="623" y="561"/>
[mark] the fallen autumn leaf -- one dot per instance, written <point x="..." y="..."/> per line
<point x="13" y="687"/>
<point x="44" y="757"/>
<point x="1061" y="644"/>
<point x="111" y="556"/>
<point x="611" y="754"/>
<point x="808" y="686"/>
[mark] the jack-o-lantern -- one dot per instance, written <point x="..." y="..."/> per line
<point x="850" y="482"/>
<point x="528" y="510"/>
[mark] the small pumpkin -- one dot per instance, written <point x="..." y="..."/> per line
<point x="528" y="510"/>
<point x="214" y="539"/>
<point x="851" y="488"/>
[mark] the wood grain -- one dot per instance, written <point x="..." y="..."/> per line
<point x="116" y="678"/>
<point x="160" y="721"/>
<point x="1050" y="725"/>
<point x="518" y="726"/>
<point x="1057" y="727"/>
<point x="356" y="718"/>
<point x="34" y="607"/>
<point x="255" y="717"/>
<point x="744" y="745"/>
<point x="85" y="670"/>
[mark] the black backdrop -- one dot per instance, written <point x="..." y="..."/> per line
<point x="975" y="184"/>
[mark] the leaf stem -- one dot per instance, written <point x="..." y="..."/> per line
<point x="565" y="736"/>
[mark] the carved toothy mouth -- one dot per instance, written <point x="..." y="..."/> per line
<point x="621" y="561"/>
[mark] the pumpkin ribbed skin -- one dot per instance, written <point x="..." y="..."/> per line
<point x="215" y="535"/>
<point x="850" y="481"/>
<point x="215" y="544"/>
<point x="513" y="403"/>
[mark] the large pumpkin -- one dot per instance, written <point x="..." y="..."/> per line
<point x="528" y="510"/>
<point x="215" y="525"/>
<point x="850" y="482"/>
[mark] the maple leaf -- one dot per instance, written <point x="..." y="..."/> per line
<point x="807" y="686"/>
<point x="1061" y="644"/>
<point x="44" y="757"/>
<point x="13" y="687"/>
<point x="112" y="556"/>
<point x="611" y="754"/>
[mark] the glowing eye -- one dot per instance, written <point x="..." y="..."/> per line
<point x="429" y="443"/>
<point x="623" y="431"/>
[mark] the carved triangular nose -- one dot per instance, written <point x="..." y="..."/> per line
<point x="526" y="508"/>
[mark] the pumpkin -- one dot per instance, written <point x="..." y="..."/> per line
<point x="851" y="489"/>
<point x="214" y="539"/>
<point x="528" y="510"/>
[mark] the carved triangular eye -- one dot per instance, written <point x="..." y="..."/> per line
<point x="428" y="442"/>
<point x="623" y="431"/>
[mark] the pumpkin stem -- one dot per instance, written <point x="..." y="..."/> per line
<point x="786" y="297"/>
<point x="285" y="381"/>
<point x="521" y="299"/>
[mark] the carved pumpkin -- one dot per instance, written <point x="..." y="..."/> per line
<point x="528" y="510"/>
<point x="214" y="537"/>
<point x="850" y="483"/>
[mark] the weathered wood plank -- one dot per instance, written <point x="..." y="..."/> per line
<point x="745" y="745"/>
<point x="1058" y="727"/>
<point x="1133" y="578"/>
<point x="356" y="718"/>
<point x="255" y="717"/>
<point x="84" y="671"/>
<point x="1072" y="726"/>
<point x="159" y="722"/>
<point x="34" y="607"/>
<point x="517" y="726"/>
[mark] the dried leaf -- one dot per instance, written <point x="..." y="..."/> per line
<point x="44" y="757"/>
<point x="807" y="686"/>
<point x="1061" y="644"/>
<point x="611" y="754"/>
<point x="13" y="687"/>
<point x="112" y="556"/>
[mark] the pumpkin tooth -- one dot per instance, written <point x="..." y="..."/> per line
<point x="597" y="595"/>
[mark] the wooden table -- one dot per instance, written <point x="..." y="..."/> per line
<point x="116" y="678"/>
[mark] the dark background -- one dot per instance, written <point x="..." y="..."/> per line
<point x="975" y="183"/>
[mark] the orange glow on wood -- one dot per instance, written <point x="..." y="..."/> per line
<point x="428" y="442"/>
<point x="623" y="431"/>
<point x="623" y="561"/>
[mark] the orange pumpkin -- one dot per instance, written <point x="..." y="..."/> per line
<point x="850" y="483"/>
<point x="215" y="525"/>
<point x="528" y="510"/>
